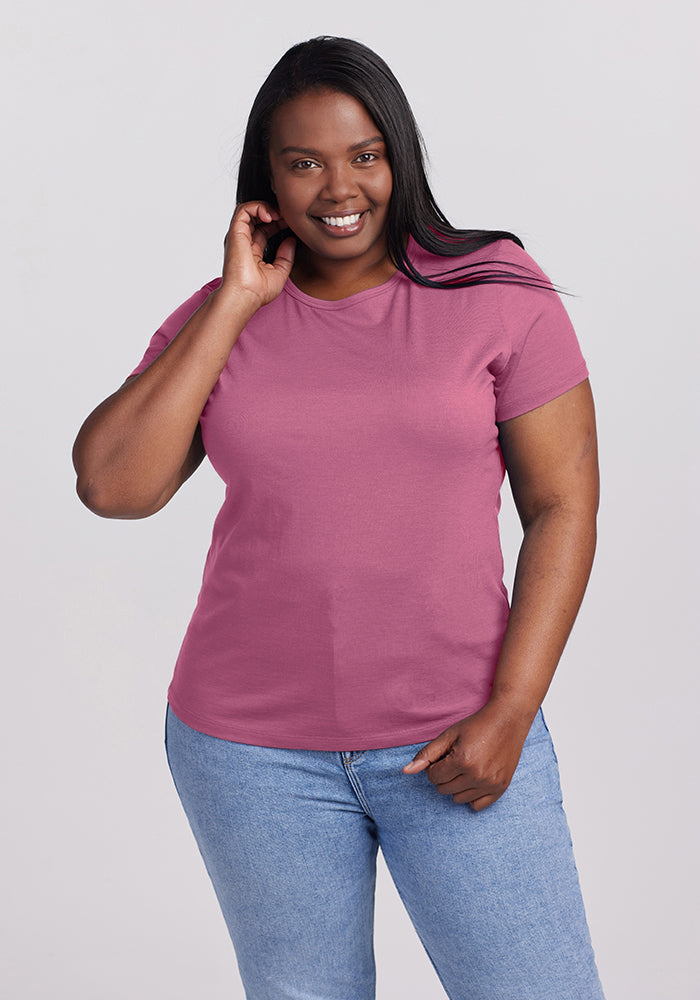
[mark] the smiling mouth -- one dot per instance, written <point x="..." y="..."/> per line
<point x="342" y="225"/>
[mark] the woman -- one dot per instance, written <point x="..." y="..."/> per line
<point x="352" y="677"/>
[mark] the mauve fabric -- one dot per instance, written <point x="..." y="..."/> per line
<point x="353" y="593"/>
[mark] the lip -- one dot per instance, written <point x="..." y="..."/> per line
<point x="340" y="231"/>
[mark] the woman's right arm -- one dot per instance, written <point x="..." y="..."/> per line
<point x="139" y="446"/>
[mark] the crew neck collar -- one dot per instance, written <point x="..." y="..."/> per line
<point x="349" y="300"/>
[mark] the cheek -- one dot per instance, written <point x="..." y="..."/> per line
<point x="294" y="198"/>
<point x="286" y="206"/>
<point x="383" y="189"/>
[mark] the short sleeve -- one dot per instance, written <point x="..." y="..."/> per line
<point x="173" y="324"/>
<point x="544" y="358"/>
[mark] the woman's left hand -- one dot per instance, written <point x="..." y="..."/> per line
<point x="474" y="759"/>
<point x="551" y="457"/>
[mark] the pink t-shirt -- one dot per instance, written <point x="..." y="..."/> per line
<point x="352" y="595"/>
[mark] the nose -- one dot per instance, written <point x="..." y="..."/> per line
<point x="340" y="183"/>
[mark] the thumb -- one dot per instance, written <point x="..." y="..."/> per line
<point x="431" y="752"/>
<point x="284" y="258"/>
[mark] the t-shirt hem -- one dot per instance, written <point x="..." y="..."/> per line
<point x="516" y="409"/>
<point x="293" y="741"/>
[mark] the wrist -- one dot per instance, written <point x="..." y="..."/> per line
<point x="513" y="706"/>
<point x="237" y="302"/>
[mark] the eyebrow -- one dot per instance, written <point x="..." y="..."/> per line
<point x="351" y="149"/>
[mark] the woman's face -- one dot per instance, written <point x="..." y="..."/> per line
<point x="331" y="176"/>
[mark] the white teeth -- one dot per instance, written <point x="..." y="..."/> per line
<point x="341" y="220"/>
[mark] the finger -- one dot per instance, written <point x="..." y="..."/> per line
<point x="247" y="241"/>
<point x="468" y="795"/>
<point x="240" y="223"/>
<point x="254" y="213"/>
<point x="463" y="783"/>
<point x="481" y="803"/>
<point x="430" y="753"/>
<point x="262" y="230"/>
<point x="259" y="239"/>
<point x="284" y="258"/>
<point x="453" y="767"/>
<point x="479" y="797"/>
<point x="254" y="217"/>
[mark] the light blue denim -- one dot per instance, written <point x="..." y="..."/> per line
<point x="290" y="837"/>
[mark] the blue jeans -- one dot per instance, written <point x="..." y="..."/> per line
<point x="289" y="839"/>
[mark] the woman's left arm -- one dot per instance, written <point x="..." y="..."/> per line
<point x="551" y="457"/>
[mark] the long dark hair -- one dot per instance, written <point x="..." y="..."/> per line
<point x="342" y="64"/>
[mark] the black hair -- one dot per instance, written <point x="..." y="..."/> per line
<point x="348" y="66"/>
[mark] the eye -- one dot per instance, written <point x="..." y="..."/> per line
<point x="371" y="156"/>
<point x="303" y="164"/>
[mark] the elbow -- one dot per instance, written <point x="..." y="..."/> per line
<point x="110" y="503"/>
<point x="92" y="497"/>
<point x="110" y="493"/>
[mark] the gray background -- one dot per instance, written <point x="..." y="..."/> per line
<point x="569" y="124"/>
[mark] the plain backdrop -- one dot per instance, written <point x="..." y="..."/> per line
<point x="571" y="124"/>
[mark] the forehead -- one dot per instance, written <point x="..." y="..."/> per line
<point x="324" y="119"/>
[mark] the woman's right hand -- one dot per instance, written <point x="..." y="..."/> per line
<point x="245" y="273"/>
<point x="139" y="445"/>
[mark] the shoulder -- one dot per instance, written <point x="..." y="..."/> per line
<point x="186" y="309"/>
<point x="503" y="255"/>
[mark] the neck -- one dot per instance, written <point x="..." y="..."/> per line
<point x="327" y="278"/>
